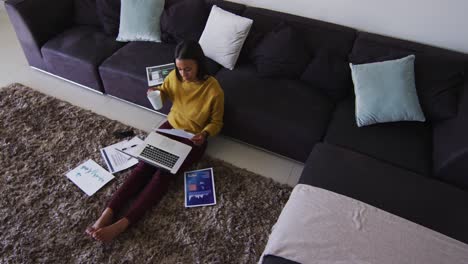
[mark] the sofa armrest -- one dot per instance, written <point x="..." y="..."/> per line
<point x="450" y="142"/>
<point x="37" y="21"/>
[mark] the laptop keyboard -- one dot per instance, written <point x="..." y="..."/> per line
<point x="159" y="156"/>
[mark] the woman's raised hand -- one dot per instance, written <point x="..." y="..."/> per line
<point x="153" y="88"/>
<point x="199" y="138"/>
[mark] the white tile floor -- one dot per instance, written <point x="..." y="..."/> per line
<point x="14" y="68"/>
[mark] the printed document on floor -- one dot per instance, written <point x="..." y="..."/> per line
<point x="89" y="176"/>
<point x="117" y="161"/>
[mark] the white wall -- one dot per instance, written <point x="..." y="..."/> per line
<point x="442" y="23"/>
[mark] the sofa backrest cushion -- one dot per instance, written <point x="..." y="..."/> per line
<point x="439" y="73"/>
<point x="281" y="53"/>
<point x="109" y="15"/>
<point x="326" y="42"/>
<point x="86" y="13"/>
<point x="232" y="7"/>
<point x="169" y="3"/>
<point x="328" y="73"/>
<point x="183" y="20"/>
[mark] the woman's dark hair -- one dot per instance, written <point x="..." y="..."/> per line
<point x="191" y="50"/>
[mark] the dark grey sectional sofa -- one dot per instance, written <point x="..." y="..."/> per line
<point x="416" y="170"/>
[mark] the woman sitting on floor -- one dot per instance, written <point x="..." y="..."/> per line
<point x="198" y="107"/>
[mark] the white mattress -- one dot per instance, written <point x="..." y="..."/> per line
<point x="319" y="226"/>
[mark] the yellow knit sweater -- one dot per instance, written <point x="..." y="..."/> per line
<point x="196" y="106"/>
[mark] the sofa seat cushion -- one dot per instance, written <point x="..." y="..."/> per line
<point x="76" y="54"/>
<point x="425" y="201"/>
<point x="404" y="144"/>
<point x="283" y="116"/>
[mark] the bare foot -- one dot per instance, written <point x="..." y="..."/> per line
<point x="107" y="233"/>
<point x="104" y="220"/>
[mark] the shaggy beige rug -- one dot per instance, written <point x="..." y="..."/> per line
<point x="43" y="215"/>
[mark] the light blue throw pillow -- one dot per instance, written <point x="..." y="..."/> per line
<point x="386" y="92"/>
<point x="139" y="20"/>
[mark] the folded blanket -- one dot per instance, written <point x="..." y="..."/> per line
<point x="319" y="226"/>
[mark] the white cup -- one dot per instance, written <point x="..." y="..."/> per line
<point x="155" y="99"/>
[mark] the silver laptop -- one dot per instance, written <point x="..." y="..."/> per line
<point x="161" y="151"/>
